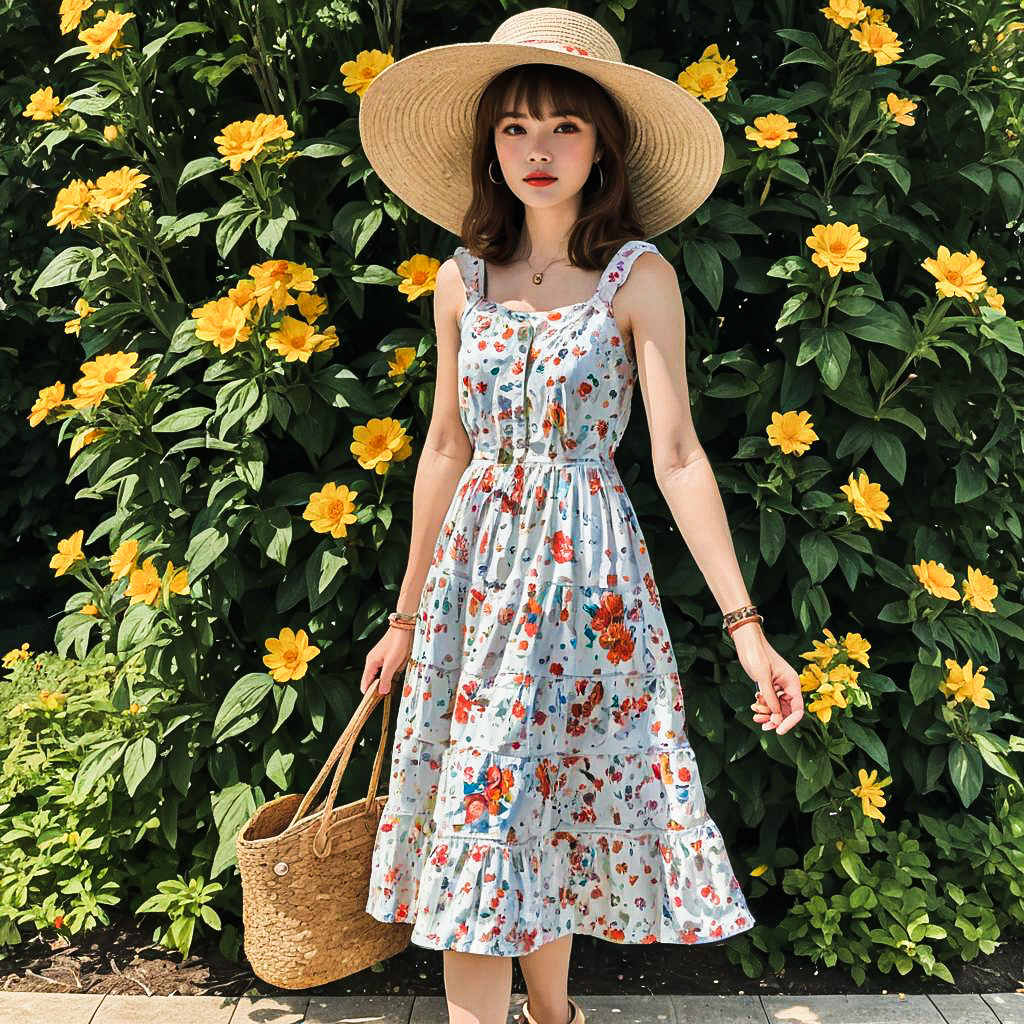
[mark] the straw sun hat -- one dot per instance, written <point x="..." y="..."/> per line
<point x="417" y="116"/>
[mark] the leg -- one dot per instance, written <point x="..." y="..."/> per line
<point x="546" y="972"/>
<point x="478" y="987"/>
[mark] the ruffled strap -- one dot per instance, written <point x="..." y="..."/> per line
<point x="618" y="269"/>
<point x="470" y="268"/>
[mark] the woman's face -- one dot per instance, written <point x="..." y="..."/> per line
<point x="563" y="146"/>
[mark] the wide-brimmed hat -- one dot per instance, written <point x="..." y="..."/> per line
<point x="417" y="117"/>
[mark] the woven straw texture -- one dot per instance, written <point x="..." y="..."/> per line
<point x="417" y="117"/>
<point x="305" y="877"/>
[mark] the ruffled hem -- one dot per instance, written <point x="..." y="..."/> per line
<point x="478" y="895"/>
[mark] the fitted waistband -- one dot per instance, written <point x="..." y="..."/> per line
<point x="544" y="459"/>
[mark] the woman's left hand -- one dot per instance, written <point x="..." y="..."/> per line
<point x="779" y="704"/>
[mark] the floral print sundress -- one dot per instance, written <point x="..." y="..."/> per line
<point x="541" y="779"/>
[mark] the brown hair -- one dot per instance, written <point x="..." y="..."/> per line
<point x="608" y="216"/>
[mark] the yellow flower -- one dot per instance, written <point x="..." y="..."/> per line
<point x="312" y="306"/>
<point x="241" y="141"/>
<point x="759" y="870"/>
<point x="88" y="609"/>
<point x="979" y="590"/>
<point x="84" y="437"/>
<point x="1014" y="26"/>
<point x="290" y="654"/>
<point x="329" y="339"/>
<point x="111" y="132"/>
<point x="115" y="189"/>
<point x="178" y="578"/>
<point x="811" y="678"/>
<point x="791" y="431"/>
<point x="52" y="700"/>
<point x="69" y="551"/>
<point x="868" y="500"/>
<point x="359" y="73"/>
<point x="100" y="375"/>
<point x="837" y="247"/>
<point x="223" y="322"/>
<point x="995" y="299"/>
<point x="828" y="696"/>
<point x="403" y="359"/>
<point x="879" y="40"/>
<point x="419" y="275"/>
<point x="275" y="280"/>
<point x="331" y="510"/>
<point x="11" y="658"/>
<point x="293" y="339"/>
<point x="71" y="12"/>
<point x="770" y="130"/>
<point x="857" y="648"/>
<point x="957" y="274"/>
<point x="877" y="14"/>
<point x="122" y="561"/>
<point x="83" y="309"/>
<point x="870" y="793"/>
<point x="936" y="579"/>
<point x="134" y="708"/>
<point x="105" y="36"/>
<point x="379" y="443"/>
<point x="144" y="584"/>
<point x="844" y="12"/>
<point x="49" y="398"/>
<point x="845" y="674"/>
<point x="72" y="838"/>
<point x="71" y="208"/>
<point x="963" y="683"/>
<point x="43" y="105"/>
<point x="243" y="294"/>
<point x="708" y="78"/>
<point x="899" y="109"/>
<point x="823" y="653"/>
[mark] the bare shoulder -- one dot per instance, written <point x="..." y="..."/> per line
<point x="449" y="291"/>
<point x="650" y="279"/>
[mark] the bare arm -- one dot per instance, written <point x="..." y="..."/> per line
<point x="654" y="307"/>
<point x="447" y="449"/>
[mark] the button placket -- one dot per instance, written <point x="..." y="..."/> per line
<point x="525" y="337"/>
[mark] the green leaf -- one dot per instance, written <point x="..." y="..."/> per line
<point x="96" y="764"/>
<point x="204" y="549"/>
<point x="199" y="168"/>
<point x="139" y="759"/>
<point x="67" y="267"/>
<point x="868" y="741"/>
<point x="235" y="714"/>
<point x="818" y="554"/>
<point x="138" y="628"/>
<point x="271" y="531"/>
<point x="184" y="419"/>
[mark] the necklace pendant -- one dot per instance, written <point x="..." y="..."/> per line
<point x="537" y="278"/>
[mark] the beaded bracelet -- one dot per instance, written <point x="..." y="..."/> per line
<point x="733" y="620"/>
<point x="403" y="620"/>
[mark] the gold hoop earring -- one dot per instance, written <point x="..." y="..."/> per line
<point x="497" y="181"/>
<point x="600" y="172"/>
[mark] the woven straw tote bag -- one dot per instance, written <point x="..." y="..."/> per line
<point x="306" y="877"/>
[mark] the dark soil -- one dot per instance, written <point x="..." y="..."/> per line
<point x="121" y="959"/>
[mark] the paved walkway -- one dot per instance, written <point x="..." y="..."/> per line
<point x="49" y="1008"/>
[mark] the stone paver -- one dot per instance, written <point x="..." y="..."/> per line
<point x="964" y="1009"/>
<point x="867" y="1009"/>
<point x="264" y="1010"/>
<point x="37" y="1007"/>
<point x="1007" y="1006"/>
<point x="142" y="1009"/>
<point x="359" y="1010"/>
<point x="717" y="1010"/>
<point x="58" y="1008"/>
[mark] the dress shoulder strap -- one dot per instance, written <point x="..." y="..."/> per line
<point x="470" y="268"/>
<point x="618" y="269"/>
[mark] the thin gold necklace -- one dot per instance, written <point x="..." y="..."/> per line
<point x="538" y="277"/>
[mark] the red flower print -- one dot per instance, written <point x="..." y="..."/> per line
<point x="561" y="547"/>
<point x="618" y="642"/>
<point x="614" y="934"/>
<point x="585" y="389"/>
<point x="476" y="807"/>
<point x="608" y="611"/>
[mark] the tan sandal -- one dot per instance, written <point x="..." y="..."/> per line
<point x="578" y="1017"/>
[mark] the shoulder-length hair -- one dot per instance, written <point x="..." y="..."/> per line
<point x="608" y="217"/>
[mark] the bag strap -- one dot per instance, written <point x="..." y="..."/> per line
<point x="341" y="753"/>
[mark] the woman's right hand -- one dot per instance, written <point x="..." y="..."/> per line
<point x="388" y="656"/>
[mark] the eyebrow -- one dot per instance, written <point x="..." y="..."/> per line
<point x="554" y="113"/>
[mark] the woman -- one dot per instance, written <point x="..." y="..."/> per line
<point x="541" y="780"/>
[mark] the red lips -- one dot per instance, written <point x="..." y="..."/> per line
<point x="539" y="177"/>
